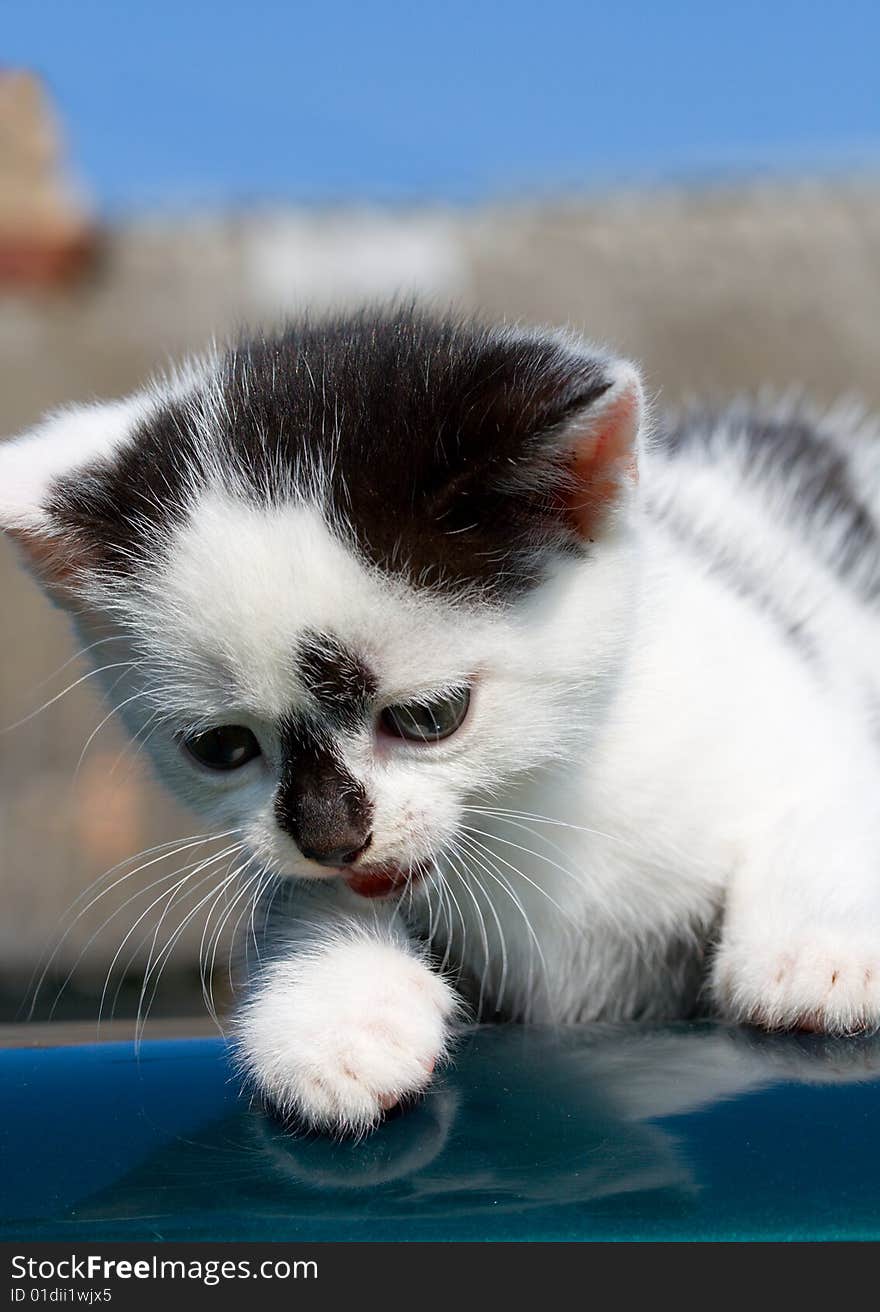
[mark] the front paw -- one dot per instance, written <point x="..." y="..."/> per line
<point x="823" y="980"/>
<point x="337" y="1035"/>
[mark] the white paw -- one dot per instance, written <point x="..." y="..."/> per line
<point x="819" y="979"/>
<point x="337" y="1035"/>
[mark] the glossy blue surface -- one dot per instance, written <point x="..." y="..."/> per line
<point x="599" y="1133"/>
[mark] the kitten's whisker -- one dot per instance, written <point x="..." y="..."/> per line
<point x="156" y="883"/>
<point x="212" y="896"/>
<point x="502" y="813"/>
<point x="461" y="918"/>
<point x="135" y="745"/>
<point x="569" y="919"/>
<point x="484" y="938"/>
<point x="170" y="896"/>
<point x="78" y="655"/>
<point x="398" y="912"/>
<point x="90" y="674"/>
<point x="502" y="941"/>
<point x="164" y="856"/>
<point x="577" y="878"/>
<point x="500" y="878"/>
<point x="540" y="857"/>
<point x="127" y="747"/>
<point x="255" y="879"/>
<point x="58" y="943"/>
<point x="114" y="710"/>
<point x="200" y="866"/>
<point x="219" y="856"/>
<point x="264" y="884"/>
<point x="206" y="973"/>
<point x="446" y="907"/>
<point x="443" y="888"/>
<point x="270" y="905"/>
<point x="541" y="838"/>
<point x="157" y="968"/>
<point x="410" y="891"/>
<point x="241" y="895"/>
<point x="427" y="883"/>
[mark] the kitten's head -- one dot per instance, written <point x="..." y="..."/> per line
<point x="349" y="578"/>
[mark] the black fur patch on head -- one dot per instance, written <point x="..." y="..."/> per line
<point x="341" y="683"/>
<point x="318" y="802"/>
<point x="432" y="439"/>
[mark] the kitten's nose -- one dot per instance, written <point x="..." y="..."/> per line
<point x="336" y="856"/>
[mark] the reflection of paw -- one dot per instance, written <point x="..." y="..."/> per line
<point x="336" y="1037"/>
<point x="407" y="1147"/>
<point x="822" y="980"/>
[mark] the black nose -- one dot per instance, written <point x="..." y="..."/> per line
<point x="336" y="856"/>
<point x="323" y="808"/>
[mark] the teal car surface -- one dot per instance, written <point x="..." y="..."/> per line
<point x="622" y="1132"/>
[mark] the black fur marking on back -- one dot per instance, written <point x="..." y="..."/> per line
<point x="794" y="450"/>
<point x="734" y="572"/>
<point x="341" y="683"/>
<point x="429" y="432"/>
<point x="318" y="802"/>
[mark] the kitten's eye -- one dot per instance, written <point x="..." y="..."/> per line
<point x="430" y="720"/>
<point x="227" y="748"/>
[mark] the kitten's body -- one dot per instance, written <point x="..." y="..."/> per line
<point x="741" y="747"/>
<point x="672" y="741"/>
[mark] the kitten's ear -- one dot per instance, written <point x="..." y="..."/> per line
<point x="546" y="448"/>
<point x="595" y="447"/>
<point x="58" y="453"/>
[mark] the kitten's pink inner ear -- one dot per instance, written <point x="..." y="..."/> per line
<point x="605" y="458"/>
<point x="52" y="560"/>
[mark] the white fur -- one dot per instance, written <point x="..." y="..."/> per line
<point x="644" y="754"/>
<point x="344" y="1026"/>
<point x="59" y="446"/>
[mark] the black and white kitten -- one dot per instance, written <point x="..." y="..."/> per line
<point x="533" y="707"/>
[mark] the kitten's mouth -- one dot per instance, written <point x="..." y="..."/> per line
<point x="380" y="881"/>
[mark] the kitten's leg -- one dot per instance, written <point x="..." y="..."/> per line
<point x="345" y="1020"/>
<point x="800" y="945"/>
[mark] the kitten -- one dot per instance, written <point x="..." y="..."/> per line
<point x="531" y="706"/>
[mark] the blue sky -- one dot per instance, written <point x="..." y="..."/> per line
<point x="171" y="104"/>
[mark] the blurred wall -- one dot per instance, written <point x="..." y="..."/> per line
<point x="714" y="292"/>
